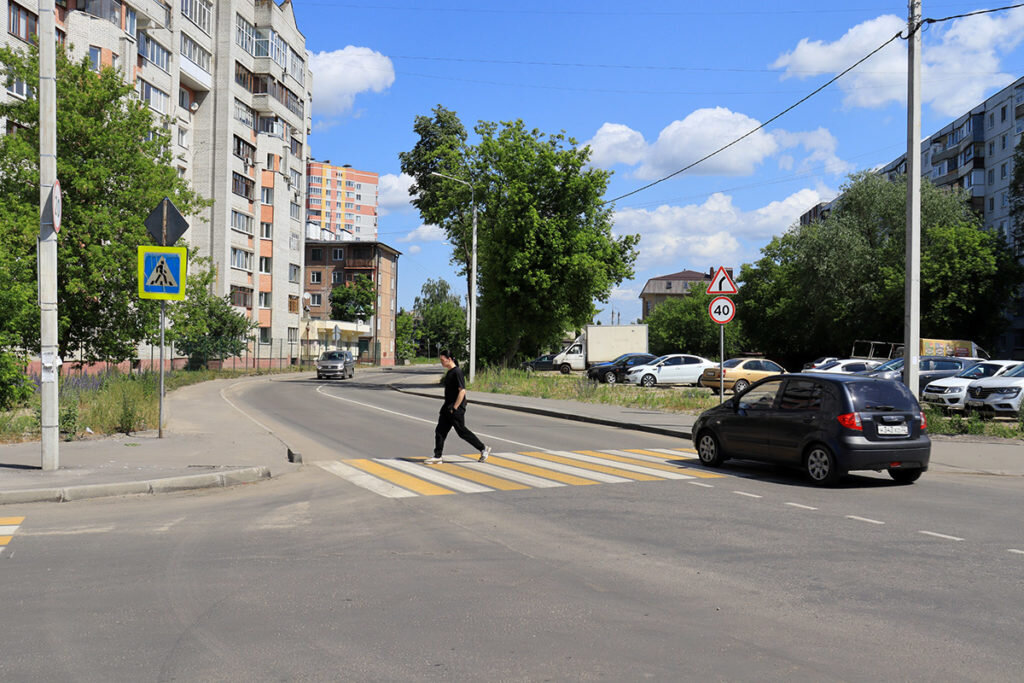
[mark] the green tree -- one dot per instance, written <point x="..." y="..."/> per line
<point x="354" y="300"/>
<point x="545" y="246"/>
<point x="114" y="163"/>
<point x="442" y="319"/>
<point x="15" y="386"/>
<point x="819" y="287"/>
<point x="205" y="326"/>
<point x="405" y="335"/>
<point x="682" y="325"/>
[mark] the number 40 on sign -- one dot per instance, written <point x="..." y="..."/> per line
<point x="722" y="309"/>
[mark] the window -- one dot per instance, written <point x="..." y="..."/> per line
<point x="270" y="125"/>
<point x="21" y="23"/>
<point x="991" y="176"/>
<point x="153" y="51"/>
<point x="761" y="397"/>
<point x="241" y="259"/>
<point x="992" y="120"/>
<point x="265" y="299"/>
<point x="242" y="186"/>
<point x="1002" y="114"/>
<point x="296" y="145"/>
<point x="296" y="66"/>
<point x="198" y="12"/>
<point x="991" y="148"/>
<point x="293" y="304"/>
<point x="184" y="98"/>
<point x="1002" y="200"/>
<point x="315" y="277"/>
<point x="337" y="277"/>
<point x="267" y="231"/>
<point x="270" y="162"/>
<point x="266" y="263"/>
<point x="244" y="150"/>
<point x="296" y="177"/>
<point x="1002" y="172"/>
<point x="243" y="77"/>
<point x="156" y="98"/>
<point x="95" y="62"/>
<point x="241" y="296"/>
<point x="241" y="222"/>
<point x="294" y="272"/>
<point x="293" y="334"/>
<point x="183" y="137"/>
<point x="130" y="20"/>
<point x="265" y="335"/>
<point x="316" y="254"/>
<point x="193" y="52"/>
<point x="316" y="300"/>
<point x="1004" y="141"/>
<point x="801" y="395"/>
<point x="245" y="114"/>
<point x="338" y="254"/>
<point x="245" y="35"/>
<point x="20" y="89"/>
<point x="991" y="203"/>
<point x="267" y="195"/>
<point x="105" y="9"/>
<point x="295" y="211"/>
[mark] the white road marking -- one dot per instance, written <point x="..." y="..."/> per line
<point x="167" y="527"/>
<point x="567" y="469"/>
<point x="629" y="467"/>
<point x="802" y="507"/>
<point x="420" y="419"/>
<point x="73" y="531"/>
<point x="944" y="536"/>
<point x="1014" y="550"/>
<point x="748" y="495"/>
<point x="864" y="519"/>
<point x="700" y="483"/>
<point x="418" y="469"/>
<point x="670" y="455"/>
<point x="505" y="473"/>
<point x="363" y="479"/>
<point x="8" y="530"/>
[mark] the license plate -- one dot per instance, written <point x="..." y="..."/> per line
<point x="893" y="429"/>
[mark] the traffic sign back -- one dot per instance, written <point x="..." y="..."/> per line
<point x="722" y="283"/>
<point x="176" y="223"/>
<point x="162" y="272"/>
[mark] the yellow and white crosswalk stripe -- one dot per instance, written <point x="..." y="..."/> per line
<point x="8" y="525"/>
<point x="406" y="477"/>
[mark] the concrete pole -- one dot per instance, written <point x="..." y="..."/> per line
<point x="47" y="247"/>
<point x="472" y="297"/>
<point x="912" y="294"/>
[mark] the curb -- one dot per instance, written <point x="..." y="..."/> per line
<point x="187" y="482"/>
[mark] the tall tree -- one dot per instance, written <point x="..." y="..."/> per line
<point x="682" y="325"/>
<point x="114" y="163"/>
<point x="354" y="300"/>
<point x="546" y="250"/>
<point x="405" y="335"/>
<point x="442" y="319"/>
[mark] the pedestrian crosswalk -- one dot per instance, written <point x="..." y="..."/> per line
<point x="510" y="471"/>
<point x="8" y="525"/>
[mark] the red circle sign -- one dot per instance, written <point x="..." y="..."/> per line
<point x="722" y="309"/>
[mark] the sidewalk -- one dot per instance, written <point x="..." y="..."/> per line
<point x="208" y="443"/>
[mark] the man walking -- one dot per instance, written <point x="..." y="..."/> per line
<point x="453" y="412"/>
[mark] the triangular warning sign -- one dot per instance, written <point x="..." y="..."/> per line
<point x="162" y="276"/>
<point x="721" y="283"/>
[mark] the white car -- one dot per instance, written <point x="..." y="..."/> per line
<point x="674" y="368"/>
<point x="951" y="392"/>
<point x="847" y="366"/>
<point x="997" y="395"/>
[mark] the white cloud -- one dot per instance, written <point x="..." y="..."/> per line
<point x="624" y="294"/>
<point x="615" y="143"/>
<point x="340" y="75"/>
<point x="821" y="147"/>
<point x="960" y="61"/>
<point x="425" y="233"/>
<point x="414" y="249"/>
<point x="393" y="193"/>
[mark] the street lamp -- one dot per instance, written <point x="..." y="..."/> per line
<point x="472" y="278"/>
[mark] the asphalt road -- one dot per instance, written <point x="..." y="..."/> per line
<point x="748" y="576"/>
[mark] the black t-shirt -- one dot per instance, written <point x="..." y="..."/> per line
<point x="453" y="381"/>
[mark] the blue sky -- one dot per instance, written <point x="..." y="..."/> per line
<point x="651" y="86"/>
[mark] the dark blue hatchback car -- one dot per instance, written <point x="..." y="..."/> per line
<point x="826" y="425"/>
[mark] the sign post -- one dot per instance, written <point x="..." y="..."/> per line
<point x="722" y="310"/>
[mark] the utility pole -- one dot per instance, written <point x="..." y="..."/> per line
<point x="912" y="292"/>
<point x="49" y="224"/>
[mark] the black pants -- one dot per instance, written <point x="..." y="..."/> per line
<point x="448" y="419"/>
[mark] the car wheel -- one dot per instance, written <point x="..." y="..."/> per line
<point x="319" y="376"/>
<point x="740" y="386"/>
<point x="905" y="476"/>
<point x="708" y="450"/>
<point x="820" y="465"/>
<point x="565" y="368"/>
<point x="609" y="377"/>
<point x="648" y="381"/>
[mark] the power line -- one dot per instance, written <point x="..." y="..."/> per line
<point x="971" y="14"/>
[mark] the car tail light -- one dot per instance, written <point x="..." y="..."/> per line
<point x="924" y="422"/>
<point x="851" y="421"/>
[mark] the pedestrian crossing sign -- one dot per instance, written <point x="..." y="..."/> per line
<point x="162" y="272"/>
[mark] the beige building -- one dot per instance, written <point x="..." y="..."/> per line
<point x="662" y="288"/>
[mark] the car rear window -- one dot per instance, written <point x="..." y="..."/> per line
<point x="880" y="396"/>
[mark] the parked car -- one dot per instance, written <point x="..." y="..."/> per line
<point x="950" y="393"/>
<point x="616" y="370"/>
<point x="997" y="395"/>
<point x="740" y="373"/>
<point x="335" y="364"/>
<point x="673" y="368"/>
<point x="818" y="362"/>
<point x="826" y="425"/>
<point x="930" y="368"/>
<point x="847" y="366"/>
<point x="540" y="363"/>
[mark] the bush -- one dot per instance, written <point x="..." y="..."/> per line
<point x="15" y="386"/>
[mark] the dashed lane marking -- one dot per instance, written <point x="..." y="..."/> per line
<point x="942" y="536"/>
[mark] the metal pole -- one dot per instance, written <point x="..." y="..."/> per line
<point x="472" y="286"/>
<point x="47" y="246"/>
<point x="912" y="292"/>
<point x="160" y="428"/>
<point x="721" y="364"/>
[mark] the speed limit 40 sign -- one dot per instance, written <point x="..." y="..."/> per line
<point x="722" y="309"/>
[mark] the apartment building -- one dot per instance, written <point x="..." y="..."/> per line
<point x="233" y="80"/>
<point x="330" y="264"/>
<point x="660" y="289"/>
<point x="341" y="202"/>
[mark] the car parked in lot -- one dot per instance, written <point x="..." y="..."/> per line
<point x="335" y="364"/>
<point x="999" y="395"/>
<point x="950" y="393"/>
<point x="740" y="373"/>
<point x="847" y="366"/>
<point x="930" y="368"/>
<point x="673" y="368"/>
<point x="616" y="370"/>
<point x="818" y="362"/>
<point x="544" y="362"/>
<point x="826" y="425"/>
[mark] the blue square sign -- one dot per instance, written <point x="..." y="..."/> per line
<point x="162" y="272"/>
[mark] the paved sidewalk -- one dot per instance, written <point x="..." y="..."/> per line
<point x="208" y="443"/>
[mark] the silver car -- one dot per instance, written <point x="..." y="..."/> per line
<point x="335" y="364"/>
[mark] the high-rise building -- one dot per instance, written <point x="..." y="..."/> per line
<point x="341" y="203"/>
<point x="233" y="78"/>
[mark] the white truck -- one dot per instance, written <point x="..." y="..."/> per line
<point x="600" y="344"/>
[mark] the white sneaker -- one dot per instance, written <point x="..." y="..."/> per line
<point x="433" y="460"/>
<point x="485" y="453"/>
